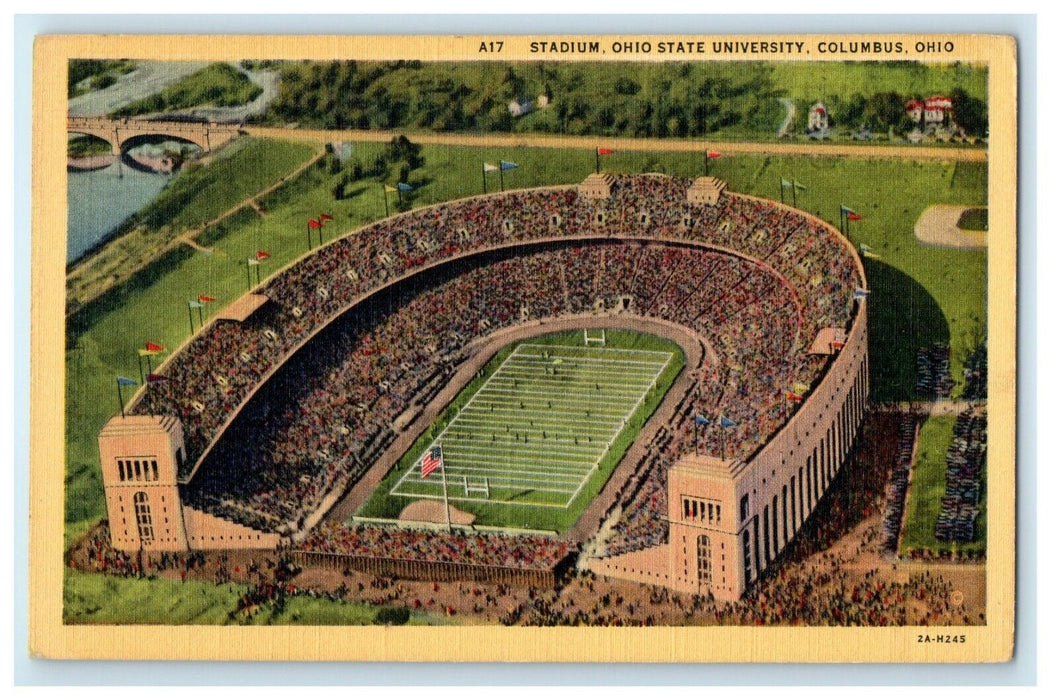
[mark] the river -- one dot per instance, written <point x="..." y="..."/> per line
<point x="98" y="201"/>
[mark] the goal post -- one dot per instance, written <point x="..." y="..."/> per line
<point x="595" y="338"/>
<point x="477" y="488"/>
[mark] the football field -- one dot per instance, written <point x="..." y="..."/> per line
<point x="538" y="428"/>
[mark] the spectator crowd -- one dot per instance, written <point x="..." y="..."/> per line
<point x="757" y="282"/>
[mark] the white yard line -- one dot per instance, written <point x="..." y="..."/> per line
<point x="534" y="465"/>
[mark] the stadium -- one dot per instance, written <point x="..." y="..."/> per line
<point x="649" y="376"/>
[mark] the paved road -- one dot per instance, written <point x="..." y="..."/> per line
<point x="148" y="78"/>
<point x="976" y="155"/>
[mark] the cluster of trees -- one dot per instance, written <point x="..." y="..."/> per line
<point x="399" y="152"/>
<point x="219" y="84"/>
<point x="103" y="74"/>
<point x="627" y="99"/>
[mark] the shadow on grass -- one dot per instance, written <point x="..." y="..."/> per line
<point x="902" y="317"/>
<point x="88" y="315"/>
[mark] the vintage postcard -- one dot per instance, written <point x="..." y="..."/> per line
<point x="524" y="348"/>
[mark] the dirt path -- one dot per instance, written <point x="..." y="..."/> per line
<point x="977" y="155"/>
<point x="791" y="110"/>
<point x="939" y="226"/>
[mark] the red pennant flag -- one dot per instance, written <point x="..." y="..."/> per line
<point x="156" y="378"/>
<point x="263" y="255"/>
<point x="604" y="151"/>
<point x="154" y="347"/>
<point x="854" y="216"/>
<point x="713" y="154"/>
<point x="315" y="224"/>
<point x="790" y="396"/>
<point x="326" y="217"/>
<point x="205" y="299"/>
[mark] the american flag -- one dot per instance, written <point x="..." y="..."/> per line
<point x="431" y="461"/>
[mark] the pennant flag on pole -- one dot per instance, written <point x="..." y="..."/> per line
<point x="263" y="255"/>
<point x="431" y="461"/>
<point x="860" y="293"/>
<point x="194" y="304"/>
<point x="315" y="224"/>
<point x="786" y="184"/>
<point x="604" y="151"/>
<point x="489" y="167"/>
<point x="404" y="187"/>
<point x="726" y="422"/>
<point x="389" y="188"/>
<point x="125" y="381"/>
<point x="868" y="252"/>
<point x="326" y="217"/>
<point x="156" y="378"/>
<point x="801" y="389"/>
<point x="793" y="396"/>
<point x="205" y="299"/>
<point x="504" y="165"/>
<point x="712" y="155"/>
<point x="701" y="420"/>
<point x="850" y="214"/>
<point x="253" y="261"/>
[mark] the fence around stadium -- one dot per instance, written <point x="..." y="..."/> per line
<point x="420" y="570"/>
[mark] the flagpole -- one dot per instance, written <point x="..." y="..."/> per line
<point x="782" y="192"/>
<point x="150" y="370"/>
<point x="200" y="322"/>
<point x="596" y="160"/>
<point x="139" y="364"/>
<point x="444" y="487"/>
<point x="385" y="196"/>
<point x="484" y="185"/>
<point x="190" y="318"/>
<point x="249" y="281"/>
<point x="794" y="188"/>
<point x="121" y="400"/>
<point x="501" y="176"/>
<point x="707" y="161"/>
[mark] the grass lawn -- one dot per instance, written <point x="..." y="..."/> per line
<point x="510" y="424"/>
<point x="99" y="599"/>
<point x="928" y="482"/>
<point x="919" y="295"/>
<point x="80" y="146"/>
<point x="809" y="81"/>
<point x="218" y="84"/>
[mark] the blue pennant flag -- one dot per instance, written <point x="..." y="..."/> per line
<point x="726" y="422"/>
<point x="860" y="293"/>
<point x="125" y="381"/>
<point x="404" y="187"/>
<point x="504" y="165"/>
<point x="701" y="420"/>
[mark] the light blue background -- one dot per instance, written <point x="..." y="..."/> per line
<point x="1022" y="671"/>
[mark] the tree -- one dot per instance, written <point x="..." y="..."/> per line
<point x="969" y="112"/>
<point x="883" y="109"/>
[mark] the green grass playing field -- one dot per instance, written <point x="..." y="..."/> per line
<point x="533" y="439"/>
